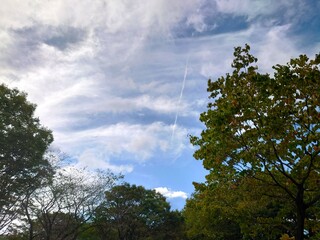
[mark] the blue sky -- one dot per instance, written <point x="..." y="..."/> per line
<point x="112" y="77"/>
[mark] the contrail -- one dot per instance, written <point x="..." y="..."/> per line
<point x="181" y="94"/>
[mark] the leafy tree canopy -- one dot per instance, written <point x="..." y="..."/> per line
<point x="133" y="212"/>
<point x="266" y="129"/>
<point x="23" y="143"/>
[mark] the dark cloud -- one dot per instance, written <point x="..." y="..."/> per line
<point x="65" y="37"/>
<point x="22" y="51"/>
<point x="26" y="42"/>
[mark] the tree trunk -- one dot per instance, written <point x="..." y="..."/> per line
<point x="26" y="205"/>
<point x="31" y="232"/>
<point x="301" y="215"/>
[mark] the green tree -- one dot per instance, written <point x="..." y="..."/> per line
<point x="173" y="227"/>
<point x="267" y="128"/>
<point x="211" y="215"/>
<point x="133" y="212"/>
<point x="23" y="144"/>
<point x="235" y="207"/>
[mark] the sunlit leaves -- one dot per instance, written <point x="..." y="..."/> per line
<point x="266" y="128"/>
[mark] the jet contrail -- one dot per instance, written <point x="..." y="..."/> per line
<point x="181" y="93"/>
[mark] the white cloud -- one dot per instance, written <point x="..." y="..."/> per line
<point x="270" y="44"/>
<point x="275" y="48"/>
<point x="93" y="159"/>
<point x="168" y="193"/>
<point x="135" y="143"/>
<point x="115" y="16"/>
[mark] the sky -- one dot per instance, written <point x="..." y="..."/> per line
<point x="121" y="83"/>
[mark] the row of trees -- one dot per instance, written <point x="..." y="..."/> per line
<point x="42" y="200"/>
<point x="73" y="209"/>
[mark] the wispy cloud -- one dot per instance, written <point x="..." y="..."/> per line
<point x="106" y="75"/>
<point x="135" y="143"/>
<point x="88" y="75"/>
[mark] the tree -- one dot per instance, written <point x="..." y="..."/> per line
<point x="132" y="212"/>
<point x="23" y="143"/>
<point x="236" y="208"/>
<point x="267" y="129"/>
<point x="173" y="228"/>
<point x="62" y="209"/>
<point x="211" y="215"/>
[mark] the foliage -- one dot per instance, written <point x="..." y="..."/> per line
<point x="286" y="237"/>
<point x="133" y="212"/>
<point x="264" y="131"/>
<point x="23" y="143"/>
<point x="211" y="212"/>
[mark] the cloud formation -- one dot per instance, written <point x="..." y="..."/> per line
<point x="107" y="75"/>
<point x="168" y="193"/>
